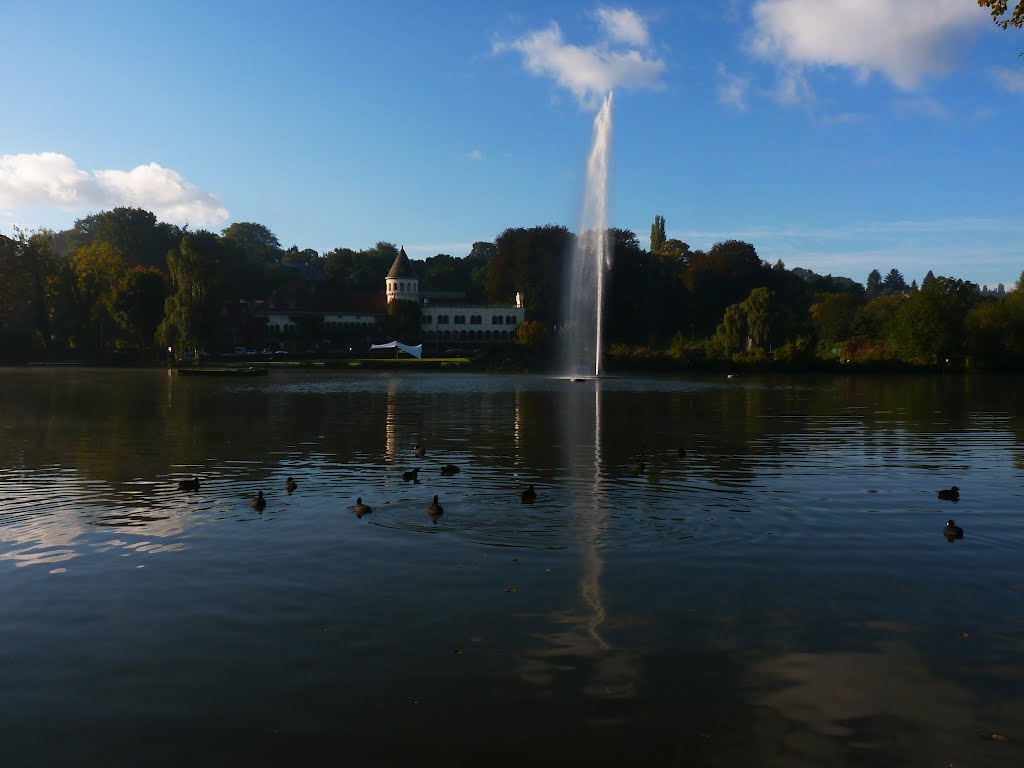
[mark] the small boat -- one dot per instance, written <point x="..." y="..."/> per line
<point x="252" y="370"/>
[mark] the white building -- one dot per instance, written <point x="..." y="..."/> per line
<point x="452" y="321"/>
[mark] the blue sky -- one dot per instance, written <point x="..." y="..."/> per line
<point x="836" y="136"/>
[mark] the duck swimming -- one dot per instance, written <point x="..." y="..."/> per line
<point x="951" y="494"/>
<point x="411" y="475"/>
<point x="420" y="451"/>
<point x="290" y="485"/>
<point x="953" y="531"/>
<point x="529" y="495"/>
<point x="435" y="509"/>
<point x="259" y="503"/>
<point x="362" y="509"/>
<point x="189" y="485"/>
<point x="638" y="469"/>
<point x="449" y="469"/>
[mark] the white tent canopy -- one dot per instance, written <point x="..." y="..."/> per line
<point x="416" y="351"/>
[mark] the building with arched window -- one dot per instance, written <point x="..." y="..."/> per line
<point x="446" y="318"/>
<point x="304" y="308"/>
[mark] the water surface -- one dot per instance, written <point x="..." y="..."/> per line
<point x="780" y="595"/>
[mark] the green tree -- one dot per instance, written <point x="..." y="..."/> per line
<point x="635" y="299"/>
<point x="254" y="239"/>
<point x="99" y="269"/>
<point x="893" y="283"/>
<point x="531" y="333"/>
<point x="834" y="316"/>
<point x="134" y="232"/>
<point x="731" y="334"/>
<point x="307" y="257"/>
<point x="191" y="310"/>
<point x="532" y="261"/>
<point x="874" y="321"/>
<point x="999" y="9"/>
<point x="675" y="251"/>
<point x="478" y="262"/>
<point x="658" y="234"/>
<point x="873" y="287"/>
<point x="139" y="303"/>
<point x="759" y="308"/>
<point x="929" y="325"/>
<point x="725" y="275"/>
<point x="27" y="270"/>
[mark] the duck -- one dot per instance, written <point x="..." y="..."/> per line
<point x="638" y="469"/>
<point x="420" y="451"/>
<point x="412" y="474"/>
<point x="259" y="503"/>
<point x="435" y="509"/>
<point x="290" y="485"/>
<point x="953" y="531"/>
<point x="189" y="485"/>
<point x="449" y="469"/>
<point x="529" y="495"/>
<point x="362" y="509"/>
<point x="950" y="494"/>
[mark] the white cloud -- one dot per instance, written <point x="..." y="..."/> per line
<point x="623" y="25"/>
<point x="589" y="72"/>
<point x="1011" y="80"/>
<point x="905" y="40"/>
<point x="732" y="89"/>
<point x="475" y="154"/>
<point x="51" y="179"/>
<point x="792" y="87"/>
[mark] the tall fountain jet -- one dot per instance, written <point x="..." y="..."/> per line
<point x="591" y="257"/>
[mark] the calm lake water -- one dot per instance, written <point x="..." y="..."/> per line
<point x="782" y="595"/>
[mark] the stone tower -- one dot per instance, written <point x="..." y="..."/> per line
<point x="401" y="284"/>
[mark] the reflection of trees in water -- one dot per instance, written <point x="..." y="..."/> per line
<point x="119" y="425"/>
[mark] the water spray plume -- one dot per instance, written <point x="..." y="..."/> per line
<point x="591" y="258"/>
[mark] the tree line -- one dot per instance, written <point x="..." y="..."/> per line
<point x="121" y="284"/>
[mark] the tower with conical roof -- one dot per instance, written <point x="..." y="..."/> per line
<point x="401" y="284"/>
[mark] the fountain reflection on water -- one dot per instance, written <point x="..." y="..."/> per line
<point x="584" y="304"/>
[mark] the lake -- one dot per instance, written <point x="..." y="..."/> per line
<point x="780" y="595"/>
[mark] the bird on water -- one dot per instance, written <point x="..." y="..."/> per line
<point x="189" y="485"/>
<point x="435" y="509"/>
<point x="362" y="509"/>
<point x="529" y="495"/>
<point x="290" y="485"/>
<point x="950" y="494"/>
<point x="259" y="503"/>
<point x="420" y="451"/>
<point x="449" y="469"/>
<point x="953" y="531"/>
<point x="412" y="474"/>
<point x="638" y="469"/>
